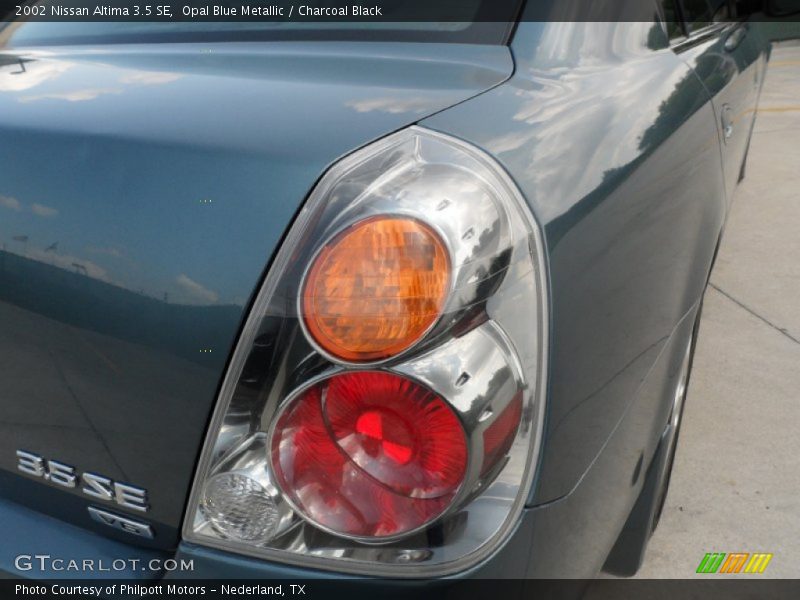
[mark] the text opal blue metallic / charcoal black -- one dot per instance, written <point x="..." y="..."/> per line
<point x="173" y="204"/>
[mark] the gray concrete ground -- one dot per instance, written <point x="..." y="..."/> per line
<point x="736" y="482"/>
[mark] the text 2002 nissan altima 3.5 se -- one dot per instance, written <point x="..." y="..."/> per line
<point x="415" y="301"/>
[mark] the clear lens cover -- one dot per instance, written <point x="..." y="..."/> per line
<point x="383" y="409"/>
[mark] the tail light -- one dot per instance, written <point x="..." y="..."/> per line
<point x="382" y="411"/>
<point x="375" y="288"/>
<point x="379" y="457"/>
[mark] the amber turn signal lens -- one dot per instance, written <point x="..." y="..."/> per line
<point x="376" y="288"/>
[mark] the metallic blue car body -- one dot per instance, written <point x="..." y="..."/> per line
<point x="170" y="174"/>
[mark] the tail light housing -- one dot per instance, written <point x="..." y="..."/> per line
<point x="382" y="412"/>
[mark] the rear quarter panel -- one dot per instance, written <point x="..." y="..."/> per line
<point x="612" y="139"/>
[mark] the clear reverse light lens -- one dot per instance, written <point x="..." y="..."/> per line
<point x="239" y="508"/>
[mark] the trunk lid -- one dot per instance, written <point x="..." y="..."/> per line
<point x="143" y="190"/>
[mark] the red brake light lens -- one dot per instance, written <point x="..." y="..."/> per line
<point x="499" y="436"/>
<point x="369" y="454"/>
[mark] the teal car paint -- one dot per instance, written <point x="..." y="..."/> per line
<point x="146" y="187"/>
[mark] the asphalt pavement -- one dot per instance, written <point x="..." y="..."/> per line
<point x="736" y="481"/>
